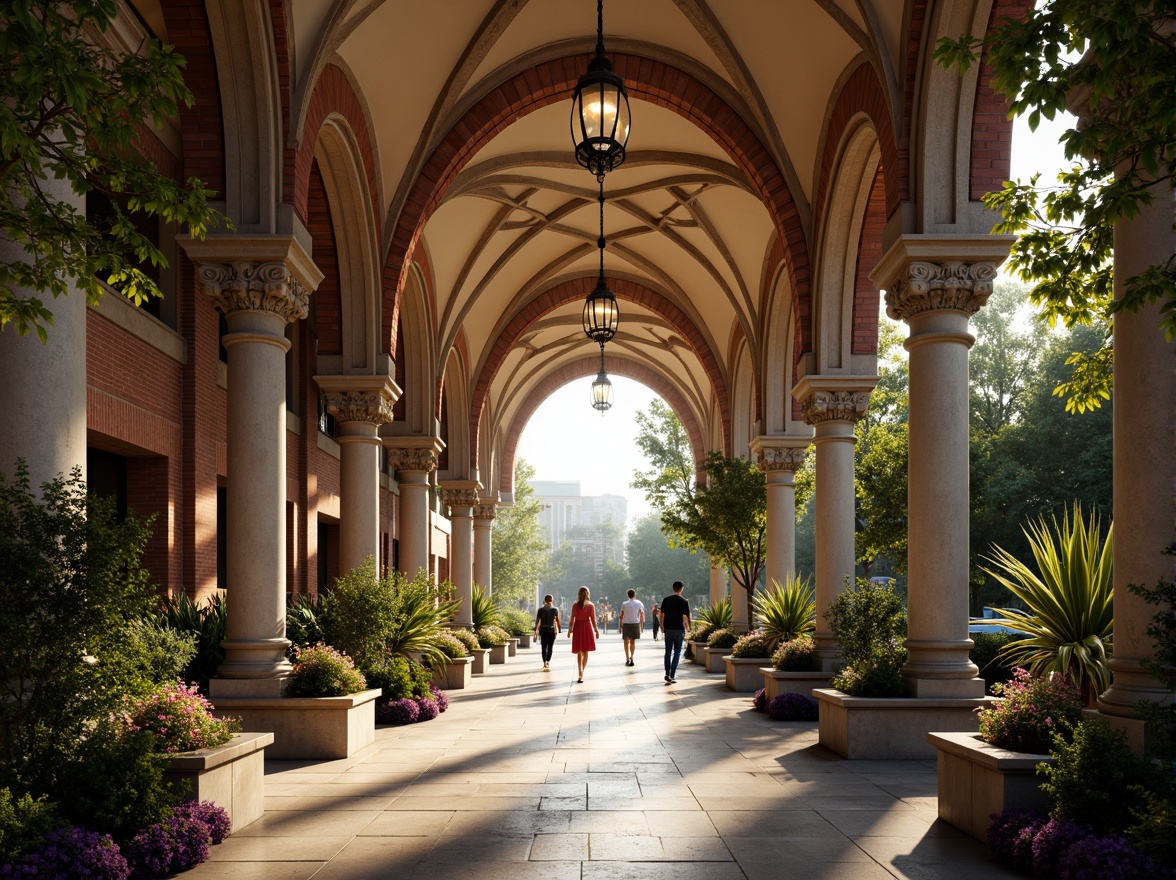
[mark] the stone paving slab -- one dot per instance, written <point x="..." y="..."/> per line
<point x="530" y="776"/>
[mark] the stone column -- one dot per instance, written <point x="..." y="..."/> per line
<point x="414" y="458"/>
<point x="935" y="285"/>
<point x="718" y="585"/>
<point x="832" y="405"/>
<point x="360" y="404"/>
<point x="258" y="298"/>
<point x="1144" y="459"/>
<point x="462" y="496"/>
<point x="779" y="458"/>
<point x="483" y="524"/>
<point x="43" y="390"/>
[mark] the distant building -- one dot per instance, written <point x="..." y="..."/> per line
<point x="572" y="518"/>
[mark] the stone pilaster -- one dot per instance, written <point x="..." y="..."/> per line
<point x="832" y="405"/>
<point x="935" y="285"/>
<point x="484" y="514"/>
<point x="718" y="584"/>
<point x="414" y="459"/>
<point x="462" y="496"/>
<point x="779" y="458"/>
<point x="360" y="404"/>
<point x="261" y="285"/>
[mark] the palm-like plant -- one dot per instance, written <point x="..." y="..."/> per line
<point x="786" y="611"/>
<point x="482" y="609"/>
<point x="715" y="616"/>
<point x="418" y="615"/>
<point x="1068" y="624"/>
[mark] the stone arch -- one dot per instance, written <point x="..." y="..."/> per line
<point x="743" y="394"/>
<point x="587" y="366"/>
<point x="575" y="290"/>
<point x="419" y="360"/>
<point x="782" y="319"/>
<point x="455" y="391"/>
<point x="551" y="81"/>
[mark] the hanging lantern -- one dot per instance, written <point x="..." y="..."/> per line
<point x="600" y="111"/>
<point x="601" y="387"/>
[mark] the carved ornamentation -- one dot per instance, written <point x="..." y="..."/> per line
<point x="460" y="497"/>
<point x="360" y="406"/>
<point x="484" y="511"/>
<point x="412" y="458"/>
<point x="781" y="458"/>
<point x="825" y="406"/>
<point x="926" y="287"/>
<point x="267" y="287"/>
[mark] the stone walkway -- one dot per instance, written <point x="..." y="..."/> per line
<point x="530" y="775"/>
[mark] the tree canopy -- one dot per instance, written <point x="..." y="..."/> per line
<point x="654" y="565"/>
<point x="520" y="557"/>
<point x="71" y="110"/>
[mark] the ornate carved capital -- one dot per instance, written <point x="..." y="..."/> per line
<point x="460" y="497"/>
<point x="780" y="458"/>
<point x="359" y="406"/>
<point x="825" y="406"/>
<point x="412" y="458"/>
<point x="484" y="511"/>
<point x="925" y="287"/>
<point x="267" y="287"/>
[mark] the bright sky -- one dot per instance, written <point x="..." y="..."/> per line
<point x="568" y="440"/>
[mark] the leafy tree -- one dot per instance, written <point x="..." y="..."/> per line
<point x="1119" y="61"/>
<point x="519" y="555"/>
<point x="654" y="564"/>
<point x="666" y="445"/>
<point x="70" y="110"/>
<point x="1002" y="360"/>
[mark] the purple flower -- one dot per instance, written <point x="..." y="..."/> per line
<point x="69" y="853"/>
<point x="1052" y="842"/>
<point x="439" y="697"/>
<point x="428" y="709"/>
<point x="402" y="711"/>
<point x="760" y="701"/>
<point x="1010" y="837"/>
<point x="1105" y="858"/>
<point x="792" y="707"/>
<point x="217" y="820"/>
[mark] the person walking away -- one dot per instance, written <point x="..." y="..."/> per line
<point x="582" y="630"/>
<point x="632" y="622"/>
<point x="675" y="620"/>
<point x="547" y="627"/>
<point x="656" y="612"/>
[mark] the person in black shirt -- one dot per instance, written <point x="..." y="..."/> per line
<point x="547" y="627"/>
<point x="675" y="620"/>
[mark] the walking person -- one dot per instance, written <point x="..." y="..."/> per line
<point x="632" y="622"/>
<point x="675" y="620"/>
<point x="582" y="630"/>
<point x="656" y="612"/>
<point x="547" y="627"/>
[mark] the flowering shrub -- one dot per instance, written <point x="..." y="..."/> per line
<point x="792" y="707"/>
<point x="216" y="818"/>
<point x="796" y="655"/>
<point x="760" y="701"/>
<point x="439" y="697"/>
<point x="402" y="711"/>
<point x="71" y="852"/>
<point x="451" y="646"/>
<point x="180" y="718"/>
<point x="491" y="636"/>
<point x="752" y="645"/>
<point x="1052" y="841"/>
<point x="1010" y="837"/>
<point x="467" y="638"/>
<point x="427" y="709"/>
<point x="178" y="843"/>
<point x="1032" y="711"/>
<point x="1105" y="858"/>
<point x="701" y="632"/>
<point x="322" y="671"/>
<point x="400" y="677"/>
<point x="722" y="638"/>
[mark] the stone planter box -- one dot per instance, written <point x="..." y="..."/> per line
<point x="525" y="641"/>
<point x="497" y="654"/>
<point x="893" y="728"/>
<point x="232" y="776"/>
<point x="778" y="681"/>
<point x="977" y="779"/>
<point x="698" y="649"/>
<point x="481" y="661"/>
<point x="307" y="728"/>
<point x="713" y="659"/>
<point x="743" y="673"/>
<point x="455" y="675"/>
<point x="512" y="647"/>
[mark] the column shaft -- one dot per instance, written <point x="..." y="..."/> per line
<point x="834" y="443"/>
<point x="483" y="541"/>
<point x="461" y="570"/>
<point x="414" y="522"/>
<point x="718" y="585"/>
<point x="359" y="489"/>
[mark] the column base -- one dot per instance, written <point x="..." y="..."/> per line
<point x="1134" y="728"/>
<point x="252" y="659"/>
<point x="944" y="688"/>
<point x="1131" y="684"/>
<point x="263" y="688"/>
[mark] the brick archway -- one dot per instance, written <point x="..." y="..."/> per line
<point x="617" y="366"/>
<point x="647" y="80"/>
<point x="574" y="291"/>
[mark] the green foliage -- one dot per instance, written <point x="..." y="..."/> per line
<point x="1113" y="60"/>
<point x="165" y="652"/>
<point x="70" y="582"/>
<point x="785" y="612"/>
<point x="520" y="556"/>
<point x="321" y="671"/>
<point x="450" y="645"/>
<point x="796" y="655"/>
<point x="722" y="638"/>
<point x="516" y="621"/>
<point x="1003" y="361"/>
<point x="985" y="654"/>
<point x="492" y="636"/>
<point x="716" y="615"/>
<point x="467" y="638"/>
<point x="754" y="644"/>
<point x="1069" y="600"/>
<point x="24" y="822"/>
<point x="206" y="621"/>
<point x="869" y="623"/>
<point x="419" y="613"/>
<point x="483" y="611"/>
<point x="399" y="677"/>
<point x="1094" y="777"/>
<point x="670" y="478"/>
<point x="654" y="564"/>
<point x="1032" y="710"/>
<point x="70" y="110"/>
<point x="304" y="617"/>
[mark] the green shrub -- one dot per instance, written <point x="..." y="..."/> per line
<point x="869" y="623"/>
<point x="322" y="671"/>
<point x="164" y="652"/>
<point x="207" y="622"/>
<point x="451" y="646"/>
<point x="785" y="612"/>
<point x="986" y="654"/>
<point x="716" y="616"/>
<point x="400" y="677"/>
<point x="796" y="655"/>
<point x="467" y="638"/>
<point x="722" y="638"/>
<point x="492" y="636"/>
<point x="700" y="632"/>
<point x="304" y="622"/>
<point x="516" y="621"/>
<point x="483" y="611"/>
<point x="753" y="645"/>
<point x="24" y="822"/>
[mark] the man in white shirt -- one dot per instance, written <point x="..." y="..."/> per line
<point x="632" y="622"/>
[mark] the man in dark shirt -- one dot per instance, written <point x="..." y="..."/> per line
<point x="675" y="620"/>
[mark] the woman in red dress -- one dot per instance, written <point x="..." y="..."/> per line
<point x="583" y="630"/>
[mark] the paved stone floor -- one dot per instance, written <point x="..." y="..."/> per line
<point x="530" y="775"/>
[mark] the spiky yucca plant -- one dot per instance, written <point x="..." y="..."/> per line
<point x="482" y="609"/>
<point x="716" y="616"/>
<point x="1067" y="626"/>
<point x="786" y="611"/>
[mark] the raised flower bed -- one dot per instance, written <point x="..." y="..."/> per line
<point x="743" y="673"/>
<point x="498" y="654"/>
<point x="785" y="681"/>
<point x="231" y="776"/>
<point x="714" y="659"/>
<point x="455" y="675"/>
<point x="480" y="661"/>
